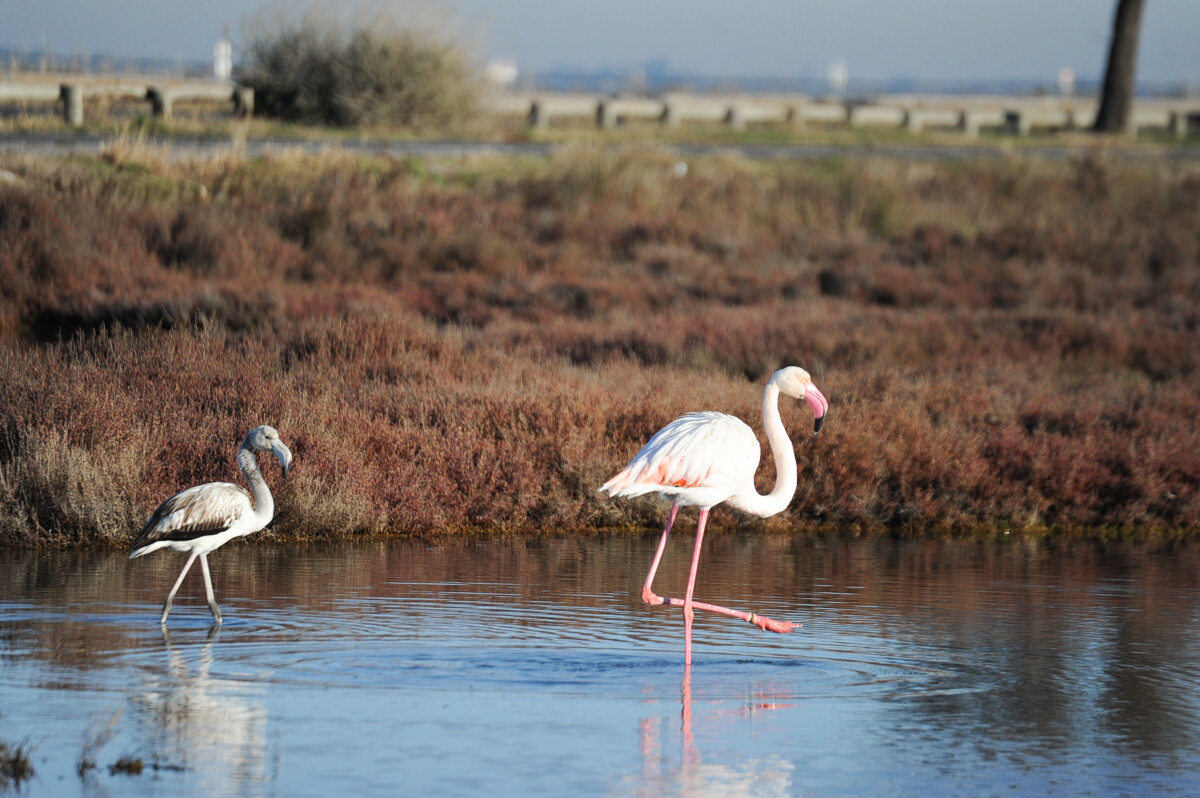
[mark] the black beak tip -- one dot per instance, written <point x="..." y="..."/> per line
<point x="817" y="423"/>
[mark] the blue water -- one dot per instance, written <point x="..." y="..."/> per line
<point x="530" y="668"/>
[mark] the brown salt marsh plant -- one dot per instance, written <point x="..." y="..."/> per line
<point x="476" y="344"/>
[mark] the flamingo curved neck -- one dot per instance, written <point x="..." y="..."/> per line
<point x="264" y="503"/>
<point x="751" y="501"/>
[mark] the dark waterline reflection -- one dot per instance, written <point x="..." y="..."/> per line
<point x="530" y="667"/>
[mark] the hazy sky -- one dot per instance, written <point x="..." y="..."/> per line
<point x="924" y="39"/>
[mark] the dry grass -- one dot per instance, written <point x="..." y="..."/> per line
<point x="478" y="344"/>
<point x="54" y="492"/>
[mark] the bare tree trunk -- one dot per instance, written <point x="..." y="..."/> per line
<point x="1116" y="100"/>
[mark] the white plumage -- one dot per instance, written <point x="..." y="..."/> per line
<point x="206" y="517"/>
<point x="217" y="511"/>
<point x="699" y="459"/>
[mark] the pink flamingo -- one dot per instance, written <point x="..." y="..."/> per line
<point x="706" y="458"/>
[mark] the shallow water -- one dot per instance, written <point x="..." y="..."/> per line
<point x="530" y="668"/>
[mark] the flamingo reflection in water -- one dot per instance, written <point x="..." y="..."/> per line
<point x="706" y="458"/>
<point x="771" y="775"/>
<point x="203" y="717"/>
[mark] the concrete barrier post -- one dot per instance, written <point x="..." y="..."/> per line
<point x="537" y="119"/>
<point x="793" y="119"/>
<point x="1177" y="124"/>
<point x="969" y="125"/>
<point x="243" y="101"/>
<point x="1017" y="123"/>
<point x="670" y="114"/>
<point x="605" y="116"/>
<point x="735" y="118"/>
<point x="160" y="99"/>
<point x="847" y="114"/>
<point x="72" y="100"/>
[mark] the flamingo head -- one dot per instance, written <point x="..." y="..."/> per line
<point x="266" y="439"/>
<point x="796" y="382"/>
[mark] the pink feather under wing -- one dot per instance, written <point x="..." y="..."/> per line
<point x="643" y="480"/>
<point x="698" y="451"/>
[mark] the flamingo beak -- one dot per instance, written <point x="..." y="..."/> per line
<point x="819" y="404"/>
<point x="284" y="454"/>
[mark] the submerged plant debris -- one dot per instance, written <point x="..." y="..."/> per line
<point x="15" y="765"/>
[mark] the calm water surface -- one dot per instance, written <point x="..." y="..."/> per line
<point x="530" y="668"/>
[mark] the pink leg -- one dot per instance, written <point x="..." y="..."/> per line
<point x="648" y="595"/>
<point x="689" y="747"/>
<point x="688" y="612"/>
<point x="761" y="621"/>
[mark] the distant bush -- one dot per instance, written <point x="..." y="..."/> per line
<point x="380" y="67"/>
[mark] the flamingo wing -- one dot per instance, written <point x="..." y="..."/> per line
<point x="705" y="452"/>
<point x="195" y="513"/>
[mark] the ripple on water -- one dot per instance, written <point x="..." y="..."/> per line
<point x="491" y="637"/>
<point x="604" y="647"/>
<point x="488" y="664"/>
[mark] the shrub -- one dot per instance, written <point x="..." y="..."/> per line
<point x="380" y="67"/>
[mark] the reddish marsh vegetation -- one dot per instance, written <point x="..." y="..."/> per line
<point x="479" y="344"/>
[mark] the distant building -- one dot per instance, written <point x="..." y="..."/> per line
<point x="501" y="72"/>
<point x="223" y="60"/>
<point x="838" y="76"/>
<point x="1066" y="81"/>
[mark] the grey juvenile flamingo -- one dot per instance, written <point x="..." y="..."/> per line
<point x="206" y="517"/>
